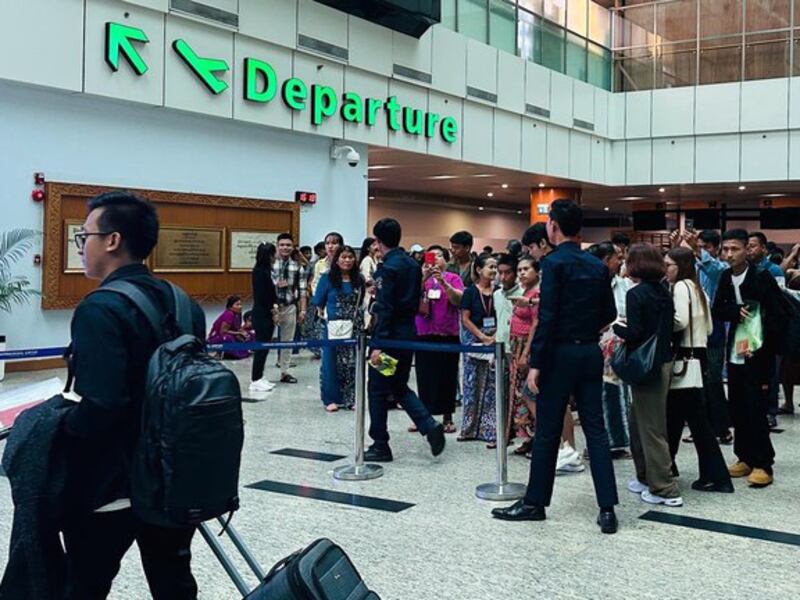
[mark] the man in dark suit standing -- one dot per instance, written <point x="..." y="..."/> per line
<point x="576" y="305"/>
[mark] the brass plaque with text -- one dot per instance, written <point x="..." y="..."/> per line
<point x="189" y="249"/>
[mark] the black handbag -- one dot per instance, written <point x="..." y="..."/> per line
<point x="636" y="366"/>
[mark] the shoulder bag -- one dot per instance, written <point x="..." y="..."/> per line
<point x="343" y="329"/>
<point x="687" y="372"/>
<point x="636" y="366"/>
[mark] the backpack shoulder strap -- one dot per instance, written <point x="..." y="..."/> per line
<point x="183" y="309"/>
<point x="140" y="299"/>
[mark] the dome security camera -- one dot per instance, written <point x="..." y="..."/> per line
<point x="347" y="153"/>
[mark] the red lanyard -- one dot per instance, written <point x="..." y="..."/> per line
<point x="487" y="309"/>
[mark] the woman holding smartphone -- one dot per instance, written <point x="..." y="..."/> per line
<point x="438" y="321"/>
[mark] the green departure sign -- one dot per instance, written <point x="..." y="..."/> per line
<point x="261" y="86"/>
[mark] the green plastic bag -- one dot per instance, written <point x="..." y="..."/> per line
<point x="749" y="333"/>
<point x="387" y="367"/>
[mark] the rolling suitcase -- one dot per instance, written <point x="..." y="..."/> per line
<point x="322" y="571"/>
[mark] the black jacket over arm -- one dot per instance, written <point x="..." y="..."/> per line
<point x="648" y="310"/>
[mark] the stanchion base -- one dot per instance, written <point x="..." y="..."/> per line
<point x="500" y="491"/>
<point x="357" y="472"/>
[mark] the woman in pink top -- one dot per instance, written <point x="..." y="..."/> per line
<point x="523" y="324"/>
<point x="438" y="321"/>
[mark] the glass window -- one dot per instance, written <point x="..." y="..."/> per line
<point x="449" y="14"/>
<point x="600" y="24"/>
<point x="576" y="56"/>
<point x="633" y="69"/>
<point x="766" y="55"/>
<point x="676" y="21"/>
<point x="529" y="36"/>
<point x="796" y="42"/>
<point x="537" y="6"/>
<point x="555" y="11"/>
<point x="599" y="66"/>
<point x="676" y="65"/>
<point x="720" y="17"/>
<point x="577" y="16"/>
<point x="552" y="47"/>
<point x="721" y="60"/>
<point x="634" y="26"/>
<point x="503" y="25"/>
<point x="473" y="19"/>
<point x="767" y="14"/>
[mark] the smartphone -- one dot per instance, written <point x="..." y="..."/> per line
<point x="430" y="258"/>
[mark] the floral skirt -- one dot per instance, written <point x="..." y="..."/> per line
<point x="479" y="419"/>
<point x="520" y="417"/>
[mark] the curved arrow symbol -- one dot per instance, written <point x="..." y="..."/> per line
<point x="120" y="38"/>
<point x="204" y="68"/>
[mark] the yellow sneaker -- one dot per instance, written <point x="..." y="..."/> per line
<point x="759" y="478"/>
<point x="739" y="469"/>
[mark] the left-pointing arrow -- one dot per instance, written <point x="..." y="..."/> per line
<point x="204" y="68"/>
<point x="119" y="39"/>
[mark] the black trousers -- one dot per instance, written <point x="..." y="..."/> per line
<point x="716" y="402"/>
<point x="264" y="331"/>
<point x="96" y="543"/>
<point x="575" y="369"/>
<point x="437" y="376"/>
<point x="748" y="404"/>
<point x="688" y="406"/>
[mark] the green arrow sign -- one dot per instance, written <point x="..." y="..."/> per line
<point x="204" y="68"/>
<point x="121" y="38"/>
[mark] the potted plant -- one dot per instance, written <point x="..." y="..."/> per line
<point x="14" y="289"/>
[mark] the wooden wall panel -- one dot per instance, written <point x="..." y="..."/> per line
<point x="67" y="201"/>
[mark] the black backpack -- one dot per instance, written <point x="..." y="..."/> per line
<point x="186" y="464"/>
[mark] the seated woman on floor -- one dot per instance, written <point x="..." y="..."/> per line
<point x="228" y="328"/>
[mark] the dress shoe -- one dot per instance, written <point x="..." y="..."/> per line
<point x="607" y="521"/>
<point x="739" y="469"/>
<point x="724" y="487"/>
<point x="786" y="409"/>
<point x="772" y="421"/>
<point x="759" y="478"/>
<point x="377" y="453"/>
<point x="519" y="511"/>
<point x="436" y="439"/>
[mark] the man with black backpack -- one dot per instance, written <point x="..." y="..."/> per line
<point x="112" y="343"/>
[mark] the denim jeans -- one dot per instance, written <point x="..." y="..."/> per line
<point x="616" y="401"/>
<point x="381" y="387"/>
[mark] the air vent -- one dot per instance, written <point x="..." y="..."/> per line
<point x="478" y="93"/>
<point x="411" y="73"/>
<point x="321" y="47"/>
<point x="204" y="11"/>
<point x="535" y="110"/>
<point x="583" y="124"/>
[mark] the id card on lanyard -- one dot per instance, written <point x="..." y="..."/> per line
<point x="489" y="322"/>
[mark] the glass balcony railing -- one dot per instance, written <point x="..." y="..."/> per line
<point x="568" y="36"/>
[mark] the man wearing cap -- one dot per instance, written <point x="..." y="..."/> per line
<point x="417" y="252"/>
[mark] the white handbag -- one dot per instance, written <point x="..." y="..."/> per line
<point x="340" y="329"/>
<point x="687" y="373"/>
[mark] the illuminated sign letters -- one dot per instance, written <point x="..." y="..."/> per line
<point x="261" y="86"/>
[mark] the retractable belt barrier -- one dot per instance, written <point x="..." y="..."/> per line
<point x="500" y="489"/>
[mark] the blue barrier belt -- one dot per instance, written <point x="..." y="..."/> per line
<point x="430" y="346"/>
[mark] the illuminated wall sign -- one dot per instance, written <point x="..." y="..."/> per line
<point x="261" y="86"/>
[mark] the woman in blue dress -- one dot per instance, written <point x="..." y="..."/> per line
<point x="340" y="292"/>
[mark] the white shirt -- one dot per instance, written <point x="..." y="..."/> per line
<point x="503" y="308"/>
<point x="737" y="359"/>
<point x="686" y="298"/>
<point x="620" y="287"/>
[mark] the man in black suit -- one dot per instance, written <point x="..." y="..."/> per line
<point x="576" y="304"/>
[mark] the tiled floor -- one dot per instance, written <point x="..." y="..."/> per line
<point x="446" y="546"/>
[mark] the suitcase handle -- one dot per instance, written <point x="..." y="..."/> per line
<point x="225" y="560"/>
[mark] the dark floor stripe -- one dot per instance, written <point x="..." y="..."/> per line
<point x="330" y="496"/>
<point x="253" y="400"/>
<point x="309" y="454"/>
<point x="768" y="535"/>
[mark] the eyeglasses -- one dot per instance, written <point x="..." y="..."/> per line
<point x="80" y="237"/>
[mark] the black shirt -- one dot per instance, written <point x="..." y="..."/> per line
<point x="478" y="305"/>
<point x="576" y="301"/>
<point x="112" y="343"/>
<point x="649" y="310"/>
<point x="398" y="281"/>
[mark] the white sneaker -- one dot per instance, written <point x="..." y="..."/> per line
<point x="637" y="487"/>
<point x="262" y="385"/>
<point x="653" y="499"/>
<point x="566" y="455"/>
<point x="575" y="466"/>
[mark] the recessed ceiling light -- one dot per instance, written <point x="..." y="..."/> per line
<point x="773" y="195"/>
<point x="372" y="197"/>
<point x="519" y="212"/>
<point x="374" y="179"/>
<point x="606" y="209"/>
<point x="483" y="175"/>
<point x="662" y="190"/>
<point x="541" y="185"/>
<point x="742" y="188"/>
<point x="632" y="198"/>
<point x="489" y="194"/>
<point x="504" y="186"/>
<point x="381" y="167"/>
<point x="443" y="177"/>
<point x="480" y="208"/>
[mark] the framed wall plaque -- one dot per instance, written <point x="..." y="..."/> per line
<point x="72" y="260"/>
<point x="189" y="250"/>
<point x="243" y="246"/>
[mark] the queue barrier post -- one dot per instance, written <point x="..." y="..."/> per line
<point x="359" y="471"/>
<point x="501" y="489"/>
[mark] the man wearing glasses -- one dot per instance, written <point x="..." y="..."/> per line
<point x="111" y="345"/>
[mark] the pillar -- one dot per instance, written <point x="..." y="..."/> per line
<point x="542" y="198"/>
